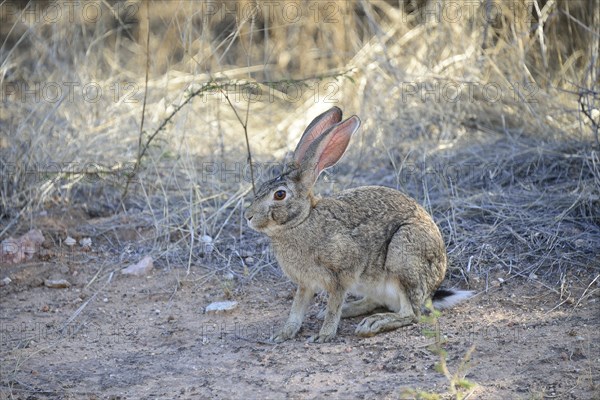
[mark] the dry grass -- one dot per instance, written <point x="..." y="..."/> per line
<point x="489" y="119"/>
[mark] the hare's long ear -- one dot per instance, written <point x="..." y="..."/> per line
<point x="318" y="125"/>
<point x="327" y="149"/>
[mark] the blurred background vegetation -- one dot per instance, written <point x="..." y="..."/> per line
<point x="486" y="112"/>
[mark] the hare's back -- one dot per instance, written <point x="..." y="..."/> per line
<point x="378" y="212"/>
<point x="380" y="201"/>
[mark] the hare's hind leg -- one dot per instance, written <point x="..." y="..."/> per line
<point x="389" y="321"/>
<point x="359" y="307"/>
<point x="394" y="292"/>
<point x="354" y="308"/>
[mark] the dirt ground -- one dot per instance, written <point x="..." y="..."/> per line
<point x="110" y="336"/>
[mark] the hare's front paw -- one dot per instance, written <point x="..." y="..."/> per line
<point x="322" y="337"/>
<point x="288" y="331"/>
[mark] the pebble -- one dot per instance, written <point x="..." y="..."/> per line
<point x="221" y="306"/>
<point x="6" y="281"/>
<point x="207" y="244"/>
<point x="229" y="276"/>
<point x="141" y="268"/>
<point x="57" y="283"/>
<point x="533" y="276"/>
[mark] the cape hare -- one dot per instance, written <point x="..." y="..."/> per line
<point x="372" y="241"/>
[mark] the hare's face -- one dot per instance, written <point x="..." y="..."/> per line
<point x="279" y="204"/>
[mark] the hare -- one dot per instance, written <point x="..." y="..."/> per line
<point x="371" y="241"/>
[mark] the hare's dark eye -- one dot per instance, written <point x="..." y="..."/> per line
<point x="279" y="195"/>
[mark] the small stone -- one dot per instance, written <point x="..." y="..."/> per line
<point x="69" y="241"/>
<point x="249" y="261"/>
<point x="141" y="268"/>
<point x="221" y="306"/>
<point x="229" y="276"/>
<point x="6" y="281"/>
<point x="207" y="244"/>
<point x="57" y="283"/>
<point x="533" y="276"/>
<point x="86" y="242"/>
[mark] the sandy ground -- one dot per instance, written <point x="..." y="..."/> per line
<point x="118" y="337"/>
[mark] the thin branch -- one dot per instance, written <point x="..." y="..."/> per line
<point x="245" y="126"/>
<point x="141" y="151"/>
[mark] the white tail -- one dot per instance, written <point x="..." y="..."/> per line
<point x="447" y="298"/>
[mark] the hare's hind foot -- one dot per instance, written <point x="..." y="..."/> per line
<point x="383" y="322"/>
